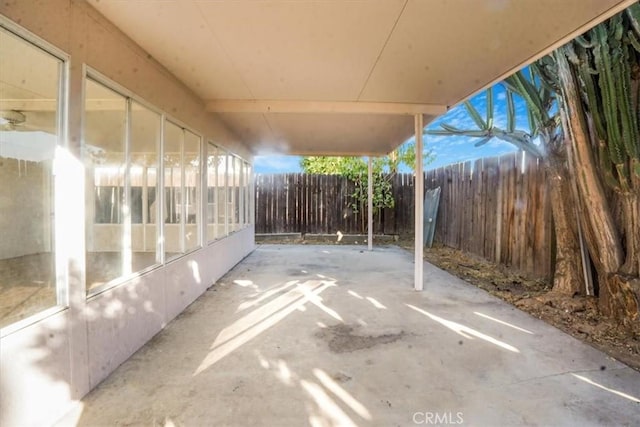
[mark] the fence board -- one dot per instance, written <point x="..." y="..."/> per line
<point x="491" y="207"/>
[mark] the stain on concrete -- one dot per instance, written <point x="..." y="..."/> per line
<point x="296" y="273"/>
<point x="341" y="377"/>
<point x="342" y="339"/>
<point x="318" y="267"/>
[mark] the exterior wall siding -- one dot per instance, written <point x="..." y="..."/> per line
<point x="50" y="362"/>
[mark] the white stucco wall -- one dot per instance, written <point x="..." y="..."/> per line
<point x="39" y="362"/>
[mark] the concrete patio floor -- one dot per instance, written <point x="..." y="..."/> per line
<point x="336" y="335"/>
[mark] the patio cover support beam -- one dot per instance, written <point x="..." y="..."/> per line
<point x="51" y="104"/>
<point x="264" y="106"/>
<point x="370" y="203"/>
<point x="419" y="205"/>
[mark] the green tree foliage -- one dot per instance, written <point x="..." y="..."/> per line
<point x="590" y="144"/>
<point x="406" y="155"/>
<point x="355" y="169"/>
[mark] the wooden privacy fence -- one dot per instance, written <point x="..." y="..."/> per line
<point x="322" y="204"/>
<point x="497" y="208"/>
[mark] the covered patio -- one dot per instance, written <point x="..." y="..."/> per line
<point x="132" y="127"/>
<point x="335" y="335"/>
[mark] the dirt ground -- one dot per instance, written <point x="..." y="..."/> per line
<point x="576" y="316"/>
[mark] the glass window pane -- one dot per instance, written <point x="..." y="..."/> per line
<point x="173" y="178"/>
<point x="236" y="193"/>
<point x="248" y="195"/>
<point x="107" y="256"/>
<point x="230" y="190"/>
<point x="222" y="194"/>
<point x="192" y="190"/>
<point x="252" y="200"/>
<point x="212" y="188"/>
<point x="241" y="194"/>
<point x="144" y="142"/>
<point x="28" y="139"/>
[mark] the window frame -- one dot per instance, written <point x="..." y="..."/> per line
<point x="214" y="171"/>
<point x="90" y="73"/>
<point x="199" y="217"/>
<point x="61" y="258"/>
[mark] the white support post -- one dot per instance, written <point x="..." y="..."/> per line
<point x="370" y="204"/>
<point x="419" y="205"/>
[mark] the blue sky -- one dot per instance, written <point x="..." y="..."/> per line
<point x="447" y="149"/>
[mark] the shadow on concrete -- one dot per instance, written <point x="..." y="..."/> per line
<point x="326" y="335"/>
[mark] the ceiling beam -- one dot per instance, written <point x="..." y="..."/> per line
<point x="341" y="107"/>
<point x="29" y="104"/>
<point x="52" y="104"/>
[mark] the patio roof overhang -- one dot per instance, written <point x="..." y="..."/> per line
<point x="345" y="77"/>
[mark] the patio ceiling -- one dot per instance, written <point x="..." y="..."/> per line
<point x="345" y="77"/>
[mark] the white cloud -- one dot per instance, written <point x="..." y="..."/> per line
<point x="437" y="139"/>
